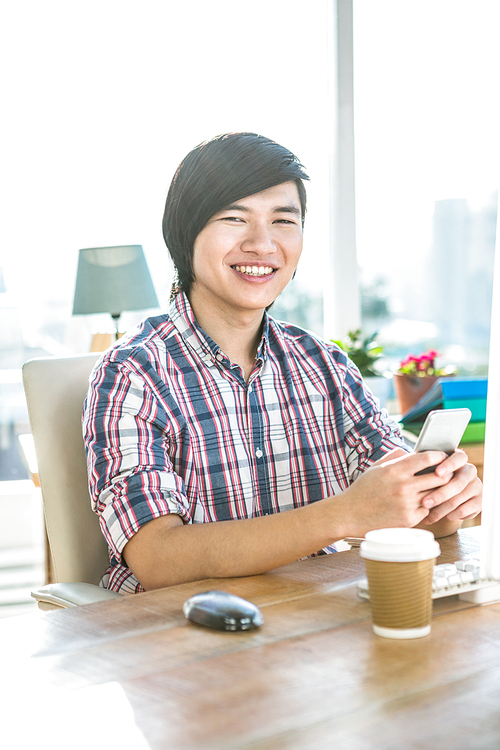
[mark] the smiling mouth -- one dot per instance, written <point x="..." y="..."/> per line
<point x="255" y="270"/>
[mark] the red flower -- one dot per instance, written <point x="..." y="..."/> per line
<point x="422" y="365"/>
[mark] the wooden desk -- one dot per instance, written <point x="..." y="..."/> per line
<point x="135" y="673"/>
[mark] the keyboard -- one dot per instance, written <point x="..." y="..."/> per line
<point x="459" y="577"/>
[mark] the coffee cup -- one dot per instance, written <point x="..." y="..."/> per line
<point x="399" y="566"/>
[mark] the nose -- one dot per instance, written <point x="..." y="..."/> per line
<point x="259" y="239"/>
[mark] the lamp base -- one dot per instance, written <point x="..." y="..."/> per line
<point x="102" y="341"/>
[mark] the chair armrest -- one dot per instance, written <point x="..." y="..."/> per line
<point x="63" y="595"/>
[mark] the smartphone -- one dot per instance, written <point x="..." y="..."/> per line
<point x="442" y="431"/>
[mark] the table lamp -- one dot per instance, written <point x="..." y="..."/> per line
<point x="113" y="280"/>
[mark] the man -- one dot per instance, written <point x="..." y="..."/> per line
<point x="222" y="443"/>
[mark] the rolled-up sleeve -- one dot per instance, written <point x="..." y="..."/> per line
<point x="127" y="432"/>
<point x="369" y="431"/>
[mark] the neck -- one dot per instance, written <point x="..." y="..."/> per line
<point x="237" y="335"/>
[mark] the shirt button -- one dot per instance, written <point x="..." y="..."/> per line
<point x="259" y="453"/>
<point x="249" y="388"/>
<point x="220" y="357"/>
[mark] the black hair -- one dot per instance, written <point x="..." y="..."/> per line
<point x="213" y="175"/>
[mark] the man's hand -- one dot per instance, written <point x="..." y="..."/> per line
<point x="389" y="493"/>
<point x="460" y="498"/>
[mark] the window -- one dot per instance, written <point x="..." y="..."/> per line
<point x="427" y="169"/>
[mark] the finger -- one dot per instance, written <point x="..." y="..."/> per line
<point x="419" y="462"/>
<point x="460" y="506"/>
<point x="452" y="463"/>
<point x="436" y="499"/>
<point x="456" y="484"/>
<point x="472" y="515"/>
<point x="409" y="465"/>
<point x="470" y="509"/>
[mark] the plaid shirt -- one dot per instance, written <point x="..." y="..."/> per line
<point x="171" y="426"/>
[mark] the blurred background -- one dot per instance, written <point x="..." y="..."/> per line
<point x="103" y="99"/>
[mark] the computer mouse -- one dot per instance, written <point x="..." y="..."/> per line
<point x="222" y="611"/>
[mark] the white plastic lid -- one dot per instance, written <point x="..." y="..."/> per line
<point x="400" y="545"/>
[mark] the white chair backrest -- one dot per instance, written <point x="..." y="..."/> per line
<point x="55" y="391"/>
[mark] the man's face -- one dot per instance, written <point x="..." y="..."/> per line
<point x="247" y="253"/>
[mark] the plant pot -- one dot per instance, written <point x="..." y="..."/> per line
<point x="410" y="389"/>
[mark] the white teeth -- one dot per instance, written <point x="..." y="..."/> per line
<point x="255" y="270"/>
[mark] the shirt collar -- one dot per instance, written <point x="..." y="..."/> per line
<point x="264" y="342"/>
<point x="182" y="316"/>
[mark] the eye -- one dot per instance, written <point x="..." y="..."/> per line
<point x="284" y="221"/>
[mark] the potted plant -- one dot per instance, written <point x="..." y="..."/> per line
<point x="365" y="352"/>
<point x="416" y="375"/>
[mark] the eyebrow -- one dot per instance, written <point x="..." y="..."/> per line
<point x="290" y="208"/>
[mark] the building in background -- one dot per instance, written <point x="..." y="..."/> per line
<point x="460" y="274"/>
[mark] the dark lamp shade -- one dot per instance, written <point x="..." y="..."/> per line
<point x="112" y="280"/>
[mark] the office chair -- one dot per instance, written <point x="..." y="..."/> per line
<point x="55" y="389"/>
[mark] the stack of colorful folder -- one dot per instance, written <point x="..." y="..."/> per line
<point x="452" y="393"/>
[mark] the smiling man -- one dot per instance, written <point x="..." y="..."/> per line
<point x="221" y="442"/>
